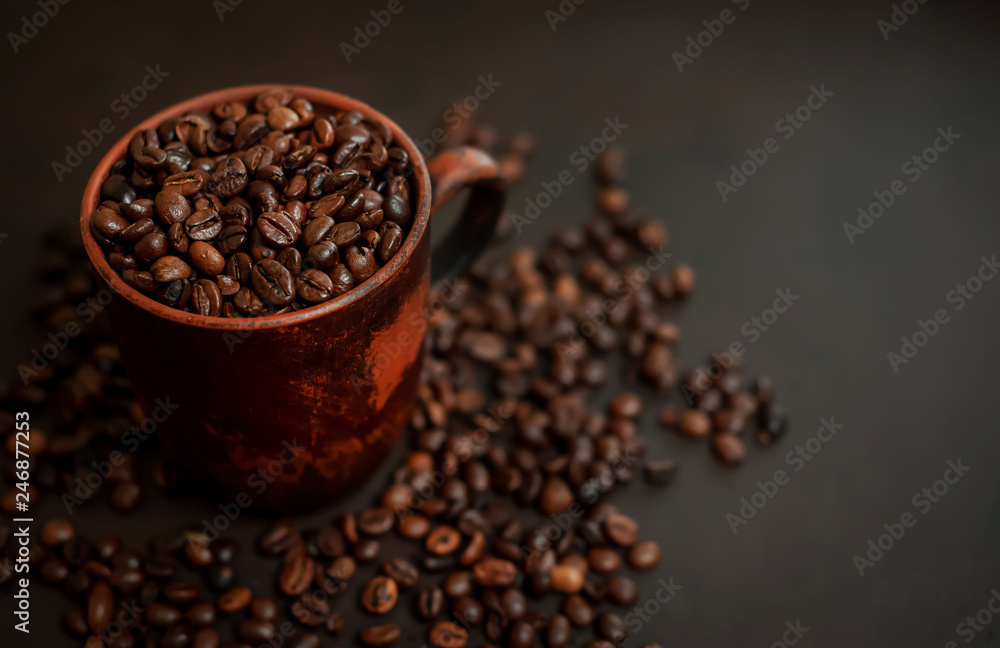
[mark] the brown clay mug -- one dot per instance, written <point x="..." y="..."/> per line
<point x="285" y="412"/>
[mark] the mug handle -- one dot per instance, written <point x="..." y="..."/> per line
<point x="450" y="172"/>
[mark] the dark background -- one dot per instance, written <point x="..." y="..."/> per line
<point x="783" y="229"/>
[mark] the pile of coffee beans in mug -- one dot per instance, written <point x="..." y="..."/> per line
<point x="499" y="505"/>
<point x="255" y="208"/>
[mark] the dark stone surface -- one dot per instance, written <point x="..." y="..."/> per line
<point x="782" y="229"/>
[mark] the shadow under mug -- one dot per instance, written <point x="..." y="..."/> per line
<point x="286" y="412"/>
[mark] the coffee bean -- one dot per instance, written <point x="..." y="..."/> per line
<point x="610" y="626"/>
<point x="273" y="283"/>
<point x="278" y="228"/>
<point x="181" y="593"/>
<point x="578" y="611"/>
<point x="100" y="607"/>
<point x="621" y="530"/>
<point x="522" y="635"/>
<point x="376" y="521"/>
<point x="297" y="575"/>
<point x="342" y="279"/>
<point x="263" y="608"/>
<point x="380" y="635"/>
<point x="161" y="615"/>
<point x="556" y="496"/>
<point x="443" y="540"/>
<point x="403" y="572"/>
<point x="255" y="631"/>
<point x="644" y="555"/>
<point x="566" y="579"/>
<point x="206" y="258"/>
<point x="559" y="631"/>
<point x="314" y="286"/>
<point x="604" y="560"/>
<point x="169" y="268"/>
<point x="206" y="638"/>
<point x="330" y="542"/>
<point x="380" y="595"/>
<point x="446" y="634"/>
<point x="311" y="610"/>
<point x="235" y="600"/>
<point x="56" y="532"/>
<point x="495" y="572"/>
<point x="206" y="298"/>
<point x="660" y="472"/>
<point x="626" y="405"/>
<point x="430" y="602"/>
<point x="622" y="590"/>
<point x="367" y="550"/>
<point x="201" y="614"/>
<point x="203" y="225"/>
<point x="695" y="424"/>
<point x="729" y="448"/>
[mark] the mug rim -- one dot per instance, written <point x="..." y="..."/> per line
<point x="318" y="96"/>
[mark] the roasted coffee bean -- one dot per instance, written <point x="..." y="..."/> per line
<point x="235" y="600"/>
<point x="263" y="608"/>
<point x="100" y="607"/>
<point x="56" y="532"/>
<point x="376" y="521"/>
<point x="255" y="631"/>
<point x="446" y="634"/>
<point x="622" y="590"/>
<point x="343" y="568"/>
<point x="414" y="526"/>
<point x="206" y="298"/>
<point x="556" y="496"/>
<point x="380" y="635"/>
<point x="297" y="575"/>
<point x="278" y="228"/>
<point x="311" y="610"/>
<point x="621" y="530"/>
<point x="273" y="283"/>
<point x="458" y="584"/>
<point x="468" y="610"/>
<point x="181" y="593"/>
<point x="201" y="614"/>
<point x="161" y="615"/>
<point x="729" y="448"/>
<point x="366" y="550"/>
<point x="578" y="611"/>
<point x="169" y="268"/>
<point x="291" y="258"/>
<point x="443" y="540"/>
<point x="644" y="555"/>
<point x="430" y="602"/>
<point x="315" y="286"/>
<point x="206" y="258"/>
<point x="695" y="424"/>
<point x="324" y="255"/>
<point x="380" y="595"/>
<point x="342" y="279"/>
<point x="330" y="542"/>
<point x="326" y="207"/>
<point x="495" y="572"/>
<point x="604" y="560"/>
<point x="610" y="626"/>
<point x="660" y="472"/>
<point x="566" y="579"/>
<point x="522" y="635"/>
<point x="203" y="225"/>
<point x="403" y="572"/>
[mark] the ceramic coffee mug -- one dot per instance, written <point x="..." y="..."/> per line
<point x="288" y="411"/>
